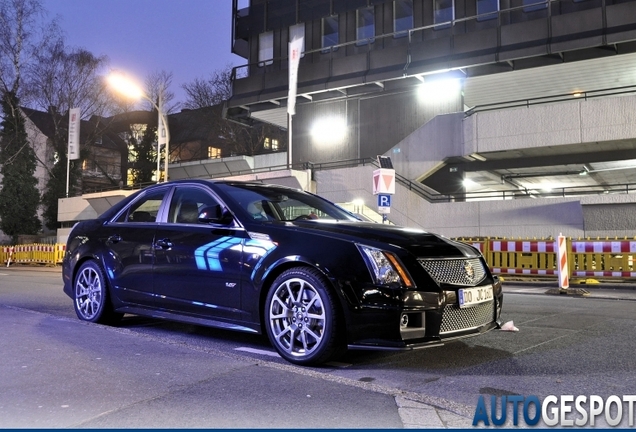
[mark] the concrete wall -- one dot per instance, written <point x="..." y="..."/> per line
<point x="270" y="160"/>
<point x="601" y="215"/>
<point x="577" y="121"/>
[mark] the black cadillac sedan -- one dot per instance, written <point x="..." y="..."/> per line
<point x="264" y="258"/>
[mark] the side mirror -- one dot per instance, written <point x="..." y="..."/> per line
<point x="215" y="214"/>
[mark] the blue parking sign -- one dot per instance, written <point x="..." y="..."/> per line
<point x="384" y="200"/>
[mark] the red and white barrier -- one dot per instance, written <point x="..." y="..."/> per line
<point x="522" y="246"/>
<point x="524" y="271"/>
<point x="596" y="246"/>
<point x="562" y="263"/>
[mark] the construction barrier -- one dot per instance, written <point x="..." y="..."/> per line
<point x="35" y="253"/>
<point x="585" y="257"/>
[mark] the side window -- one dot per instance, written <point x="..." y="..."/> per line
<point x="365" y="26"/>
<point x="534" y="5"/>
<point x="330" y="36"/>
<point x="402" y="17"/>
<point x="144" y="209"/>
<point x="265" y="48"/>
<point x="186" y="204"/>
<point x="444" y="13"/>
<point x="487" y="9"/>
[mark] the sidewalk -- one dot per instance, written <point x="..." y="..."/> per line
<point x="32" y="267"/>
<point x="604" y="289"/>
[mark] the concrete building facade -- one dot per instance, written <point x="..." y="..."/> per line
<point x="493" y="107"/>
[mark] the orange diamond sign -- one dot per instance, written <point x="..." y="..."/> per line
<point x="384" y="181"/>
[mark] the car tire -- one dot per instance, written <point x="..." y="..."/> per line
<point x="301" y="317"/>
<point x="91" y="297"/>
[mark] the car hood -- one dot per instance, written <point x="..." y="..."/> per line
<point x="420" y="243"/>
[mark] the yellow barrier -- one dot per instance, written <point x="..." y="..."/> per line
<point x="36" y="253"/>
<point x="586" y="257"/>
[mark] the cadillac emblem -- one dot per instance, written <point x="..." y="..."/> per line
<point x="470" y="271"/>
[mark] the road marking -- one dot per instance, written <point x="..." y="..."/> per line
<point x="257" y="351"/>
<point x="4" y="274"/>
<point x="275" y="354"/>
<point x="338" y="364"/>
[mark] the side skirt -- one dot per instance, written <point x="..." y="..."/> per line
<point x="187" y="319"/>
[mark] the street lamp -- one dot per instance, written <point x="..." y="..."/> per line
<point x="129" y="89"/>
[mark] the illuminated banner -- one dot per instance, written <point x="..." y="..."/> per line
<point x="162" y="136"/>
<point x="73" y="133"/>
<point x="295" y="47"/>
<point x="383" y="181"/>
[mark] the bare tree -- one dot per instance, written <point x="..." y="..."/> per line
<point x="20" y="34"/>
<point x="60" y="79"/>
<point x="202" y="93"/>
<point x="238" y="139"/>
<point x="19" y="28"/>
<point x="66" y="79"/>
<point x="158" y="82"/>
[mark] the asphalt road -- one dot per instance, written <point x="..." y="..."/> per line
<point x="60" y="372"/>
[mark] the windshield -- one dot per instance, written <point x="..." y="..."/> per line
<point x="271" y="203"/>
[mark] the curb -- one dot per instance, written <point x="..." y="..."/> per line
<point x="36" y="268"/>
<point x="586" y="286"/>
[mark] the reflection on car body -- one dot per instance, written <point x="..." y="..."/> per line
<point x="276" y="260"/>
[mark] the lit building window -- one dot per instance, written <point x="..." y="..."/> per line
<point x="534" y="5"/>
<point x="265" y="48"/>
<point x="365" y="26"/>
<point x="402" y="17"/>
<point x="214" y="153"/>
<point x="486" y="9"/>
<point x="270" y="144"/>
<point x="444" y="13"/>
<point x="330" y="32"/>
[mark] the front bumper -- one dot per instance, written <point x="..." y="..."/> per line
<point x="423" y="319"/>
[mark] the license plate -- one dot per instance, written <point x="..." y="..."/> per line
<point x="472" y="296"/>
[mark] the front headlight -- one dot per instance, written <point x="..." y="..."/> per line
<point x="385" y="267"/>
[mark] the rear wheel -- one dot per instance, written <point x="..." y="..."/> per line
<point x="301" y="318"/>
<point x="91" y="296"/>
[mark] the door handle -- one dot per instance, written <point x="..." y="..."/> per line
<point x="114" y="239"/>
<point x="163" y="244"/>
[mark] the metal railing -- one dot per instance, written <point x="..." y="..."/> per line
<point x="422" y="190"/>
<point x="564" y="97"/>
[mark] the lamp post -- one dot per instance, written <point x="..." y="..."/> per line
<point x="128" y="88"/>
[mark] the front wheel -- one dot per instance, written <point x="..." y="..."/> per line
<point x="91" y="297"/>
<point x="301" y="318"/>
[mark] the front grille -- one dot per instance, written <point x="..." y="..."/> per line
<point x="455" y="318"/>
<point x="467" y="272"/>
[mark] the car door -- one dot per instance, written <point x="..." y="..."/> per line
<point x="129" y="241"/>
<point x="197" y="266"/>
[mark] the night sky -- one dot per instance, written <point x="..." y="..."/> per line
<point x="190" y="38"/>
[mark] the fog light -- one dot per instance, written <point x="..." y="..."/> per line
<point x="412" y="325"/>
<point x="404" y="321"/>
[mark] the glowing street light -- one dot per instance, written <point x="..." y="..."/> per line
<point x="131" y="90"/>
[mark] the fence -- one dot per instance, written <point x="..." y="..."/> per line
<point x="35" y="253"/>
<point x="586" y="257"/>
